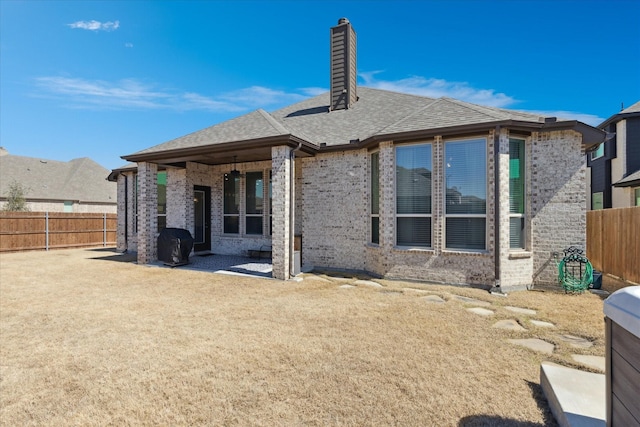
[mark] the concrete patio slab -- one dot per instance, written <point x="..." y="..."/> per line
<point x="576" y="398"/>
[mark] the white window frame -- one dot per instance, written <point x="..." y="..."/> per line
<point x="522" y="216"/>
<point x="372" y="215"/>
<point x="412" y="215"/>
<point x="446" y="216"/>
<point x="264" y="204"/>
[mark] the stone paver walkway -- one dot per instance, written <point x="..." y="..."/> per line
<point x="488" y="309"/>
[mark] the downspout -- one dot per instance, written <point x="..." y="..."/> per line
<point x="292" y="202"/>
<point x="496" y="220"/>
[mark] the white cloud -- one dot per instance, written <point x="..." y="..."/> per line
<point x="128" y="45"/>
<point x="436" y="88"/>
<point x="95" y="25"/>
<point x="133" y="94"/>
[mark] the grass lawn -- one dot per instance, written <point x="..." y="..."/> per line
<point x="85" y="340"/>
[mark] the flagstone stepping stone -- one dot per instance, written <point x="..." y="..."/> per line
<point x="433" y="298"/>
<point x="471" y="301"/>
<point x="368" y="283"/>
<point x="576" y="342"/>
<point x="534" y="344"/>
<point x="418" y="291"/>
<point x="480" y="311"/>
<point x="508" y="324"/>
<point x="542" y="324"/>
<point x="346" y="286"/>
<point x="595" y="362"/>
<point x="521" y="310"/>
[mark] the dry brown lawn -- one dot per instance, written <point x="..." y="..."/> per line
<point x="85" y="340"/>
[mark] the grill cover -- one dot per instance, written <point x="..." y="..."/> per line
<point x="174" y="246"/>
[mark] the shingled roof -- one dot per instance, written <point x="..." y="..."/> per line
<point x="347" y="117"/>
<point x="80" y="179"/>
<point x="378" y="114"/>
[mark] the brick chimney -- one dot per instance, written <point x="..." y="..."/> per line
<point x="343" y="65"/>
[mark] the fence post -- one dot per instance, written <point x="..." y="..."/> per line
<point x="46" y="230"/>
<point x="104" y="229"/>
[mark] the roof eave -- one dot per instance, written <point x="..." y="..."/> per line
<point x="273" y="141"/>
<point x="591" y="136"/>
<point x="617" y="117"/>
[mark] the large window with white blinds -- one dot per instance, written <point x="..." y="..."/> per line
<point x="413" y="195"/>
<point x="465" y="170"/>
<point x="516" y="194"/>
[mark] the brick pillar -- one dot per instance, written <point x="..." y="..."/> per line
<point x="387" y="201"/>
<point x="281" y="208"/>
<point x="121" y="238"/>
<point x="502" y="239"/>
<point x="147" y="212"/>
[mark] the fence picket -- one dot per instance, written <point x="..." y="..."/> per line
<point x="613" y="242"/>
<point x="21" y="231"/>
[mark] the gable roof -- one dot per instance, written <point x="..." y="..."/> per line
<point x="378" y="115"/>
<point x="80" y="179"/>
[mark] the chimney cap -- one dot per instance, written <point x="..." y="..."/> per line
<point x="343" y="21"/>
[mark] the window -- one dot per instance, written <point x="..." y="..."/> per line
<point x="162" y="200"/>
<point x="597" y="201"/>
<point x="254" y="202"/>
<point x="375" y="197"/>
<point x="516" y="194"/>
<point x="413" y="195"/>
<point x="231" y="212"/>
<point x="68" y="206"/>
<point x="465" y="169"/>
<point x="598" y="152"/>
<point x="637" y="196"/>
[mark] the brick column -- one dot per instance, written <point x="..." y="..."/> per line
<point x="121" y="238"/>
<point x="502" y="239"/>
<point x="281" y="208"/>
<point x="147" y="212"/>
<point x="387" y="201"/>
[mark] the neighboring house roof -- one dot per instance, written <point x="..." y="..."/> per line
<point x="376" y="116"/>
<point x="633" y="180"/>
<point x="632" y="111"/>
<point x="80" y="179"/>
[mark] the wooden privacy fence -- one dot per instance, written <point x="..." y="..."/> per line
<point x="613" y="242"/>
<point x="20" y="231"/>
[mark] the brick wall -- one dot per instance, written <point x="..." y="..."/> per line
<point x="334" y="205"/>
<point x="558" y="201"/>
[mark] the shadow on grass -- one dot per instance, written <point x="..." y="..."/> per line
<point x="497" y="421"/>
<point x="115" y="255"/>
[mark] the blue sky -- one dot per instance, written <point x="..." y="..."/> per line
<point x="102" y="79"/>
